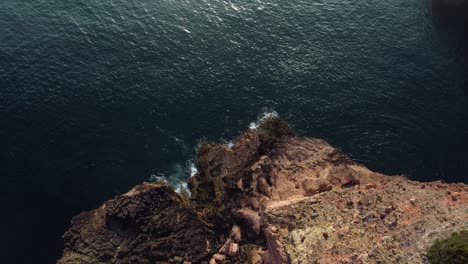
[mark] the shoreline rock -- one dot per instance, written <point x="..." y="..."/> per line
<point x="272" y="198"/>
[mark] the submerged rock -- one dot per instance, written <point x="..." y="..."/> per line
<point x="272" y="198"/>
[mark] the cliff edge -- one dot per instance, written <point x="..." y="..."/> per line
<point x="271" y="198"/>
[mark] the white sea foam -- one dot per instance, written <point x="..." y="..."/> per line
<point x="158" y="177"/>
<point x="176" y="176"/>
<point x="184" y="29"/>
<point x="181" y="187"/>
<point x="192" y="169"/>
<point x="263" y="117"/>
<point x="236" y="8"/>
<point x="227" y="143"/>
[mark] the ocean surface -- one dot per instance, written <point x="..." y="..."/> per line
<point x="99" y="95"/>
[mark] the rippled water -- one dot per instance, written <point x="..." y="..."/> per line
<point x="96" y="96"/>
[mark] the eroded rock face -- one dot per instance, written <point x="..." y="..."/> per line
<point x="150" y="224"/>
<point x="272" y="198"/>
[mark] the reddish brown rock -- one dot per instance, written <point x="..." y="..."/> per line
<point x="149" y="224"/>
<point x="219" y="257"/>
<point x="236" y="233"/>
<point x="272" y="198"/>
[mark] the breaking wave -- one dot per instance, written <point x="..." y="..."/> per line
<point x="176" y="176"/>
<point x="263" y="117"/>
<point x="178" y="173"/>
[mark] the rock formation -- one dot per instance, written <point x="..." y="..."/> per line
<point x="271" y="198"/>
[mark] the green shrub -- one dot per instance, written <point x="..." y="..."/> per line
<point x="453" y="250"/>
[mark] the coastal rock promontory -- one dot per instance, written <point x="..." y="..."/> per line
<point x="272" y="197"/>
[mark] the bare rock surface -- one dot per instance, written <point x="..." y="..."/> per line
<point x="272" y="198"/>
<point x="149" y="224"/>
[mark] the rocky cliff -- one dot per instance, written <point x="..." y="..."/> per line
<point x="271" y="198"/>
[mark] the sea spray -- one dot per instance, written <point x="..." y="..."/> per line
<point x="265" y="115"/>
<point x="177" y="176"/>
<point x="179" y="173"/>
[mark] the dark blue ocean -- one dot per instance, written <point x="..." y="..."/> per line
<point x="99" y="95"/>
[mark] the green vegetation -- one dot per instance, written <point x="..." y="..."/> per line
<point x="452" y="250"/>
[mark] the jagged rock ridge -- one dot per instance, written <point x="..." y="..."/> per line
<point x="272" y="198"/>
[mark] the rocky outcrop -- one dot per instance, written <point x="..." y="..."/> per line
<point x="272" y="198"/>
<point x="149" y="224"/>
